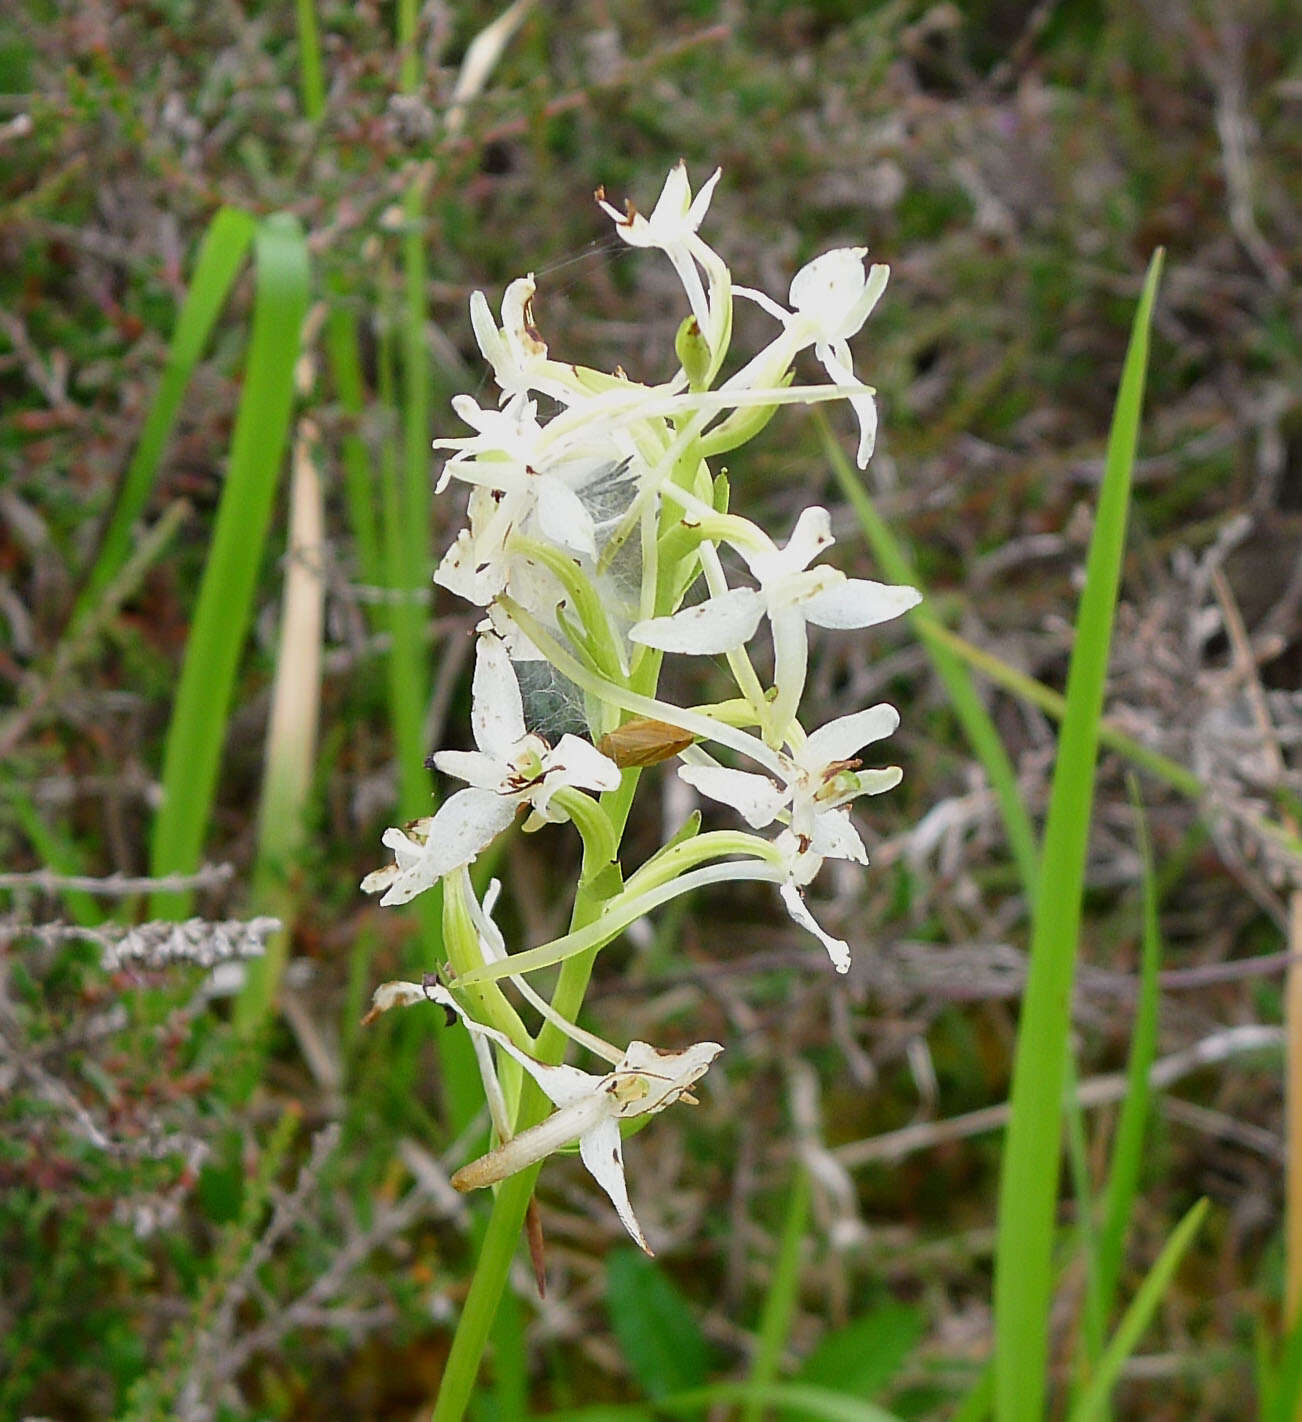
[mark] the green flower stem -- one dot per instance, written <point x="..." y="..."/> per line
<point x="461" y="943"/>
<point x="502" y="1234"/>
<point x="582" y="592"/>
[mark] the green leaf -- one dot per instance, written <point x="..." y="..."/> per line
<point x="653" y="1323"/>
<point x="862" y="1358"/>
<point x="225" y="604"/>
<point x="1029" y="1180"/>
<point x="221" y="253"/>
<point x="1128" y="1147"/>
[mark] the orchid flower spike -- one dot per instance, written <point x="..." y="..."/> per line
<point x="589" y="1108"/>
<point x="791" y="595"/>
<point x="510" y="768"/>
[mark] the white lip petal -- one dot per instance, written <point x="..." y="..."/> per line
<point x="756" y="798"/>
<point x="840" y="739"/>
<point x="717" y="625"/>
<point x="837" y="949"/>
<point x="857" y="602"/>
<point x="583" y="765"/>
<point x="496" y="707"/>
<point x="602" y="1152"/>
<point x="837" y="364"/>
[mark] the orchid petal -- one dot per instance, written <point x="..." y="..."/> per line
<point x="602" y="1151"/>
<point x="583" y="765"/>
<point x="840" y="739"/>
<point x="496" y="706"/>
<point x="838" y="366"/>
<point x="835" y="837"/>
<point x="756" y="798"/>
<point x="858" y="602"/>
<point x="719" y="624"/>
<point x="465" y="823"/>
<point x="837" y="949"/>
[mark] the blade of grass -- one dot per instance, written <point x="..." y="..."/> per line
<point x="54" y="850"/>
<point x="225" y="603"/>
<point x="1029" y="1178"/>
<point x="972" y="715"/>
<point x="341" y="342"/>
<point x="221" y="253"/>
<point x="1128" y="1147"/>
<point x="780" y="1301"/>
<point x="311" y="80"/>
<point x="1137" y="1316"/>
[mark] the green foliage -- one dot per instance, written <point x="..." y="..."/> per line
<point x="654" y="1324"/>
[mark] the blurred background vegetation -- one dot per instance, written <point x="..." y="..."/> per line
<point x="222" y="1198"/>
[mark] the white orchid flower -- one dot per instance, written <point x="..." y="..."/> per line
<point x="510" y="768"/>
<point x="791" y="595"/>
<point x="831" y="297"/>
<point x="672" y="227"/>
<point x="821" y="777"/>
<point x="508" y="456"/>
<point x="589" y="1108"/>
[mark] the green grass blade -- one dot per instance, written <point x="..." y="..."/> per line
<point x="1137" y="1316"/>
<point x="783" y="1292"/>
<point x="972" y="715"/>
<point x="221" y="254"/>
<point x="311" y="80"/>
<point x="341" y="343"/>
<point x="222" y="615"/>
<point x="979" y="1403"/>
<point x="1029" y="1180"/>
<point x="1128" y="1148"/>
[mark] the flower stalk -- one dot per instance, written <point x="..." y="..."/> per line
<point x="598" y="541"/>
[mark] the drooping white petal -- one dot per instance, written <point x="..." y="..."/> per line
<point x="756" y="798"/>
<point x="583" y="765"/>
<point x="836" y="361"/>
<point x="837" y="948"/>
<point x="496" y="707"/>
<point x="716" y="625"/>
<point x="858" y="602"/>
<point x="602" y="1151"/>
<point x="840" y="739"/>
<point x="563" y="518"/>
